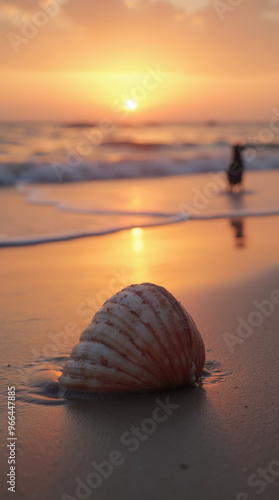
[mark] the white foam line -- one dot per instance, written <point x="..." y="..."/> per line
<point x="171" y="220"/>
<point x="73" y="236"/>
<point x="32" y="196"/>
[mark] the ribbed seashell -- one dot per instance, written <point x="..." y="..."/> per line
<point x="142" y="338"/>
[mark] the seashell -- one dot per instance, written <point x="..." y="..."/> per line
<point x="142" y="338"/>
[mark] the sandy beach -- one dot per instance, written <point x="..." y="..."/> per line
<point x="216" y="438"/>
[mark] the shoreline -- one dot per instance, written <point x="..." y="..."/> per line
<point x="72" y="211"/>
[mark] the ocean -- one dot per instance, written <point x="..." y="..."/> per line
<point x="46" y="152"/>
<point x="67" y="181"/>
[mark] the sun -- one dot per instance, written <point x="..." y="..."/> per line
<point x="131" y="105"/>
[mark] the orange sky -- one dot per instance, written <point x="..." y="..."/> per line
<point x="180" y="59"/>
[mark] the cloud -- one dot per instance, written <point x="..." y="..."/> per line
<point x="127" y="35"/>
<point x="188" y="5"/>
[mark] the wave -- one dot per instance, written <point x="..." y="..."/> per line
<point x="81" y="125"/>
<point x="145" y="146"/>
<point x="76" y="170"/>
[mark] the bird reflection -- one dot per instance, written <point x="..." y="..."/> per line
<point x="237" y="225"/>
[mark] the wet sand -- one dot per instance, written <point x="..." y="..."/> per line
<point x="216" y="437"/>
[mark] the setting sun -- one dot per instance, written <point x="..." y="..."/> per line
<point x="131" y="105"/>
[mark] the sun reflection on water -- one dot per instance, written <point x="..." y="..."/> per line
<point x="137" y="233"/>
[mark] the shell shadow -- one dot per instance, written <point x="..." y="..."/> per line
<point x="189" y="442"/>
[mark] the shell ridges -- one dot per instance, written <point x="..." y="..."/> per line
<point x="142" y="338"/>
